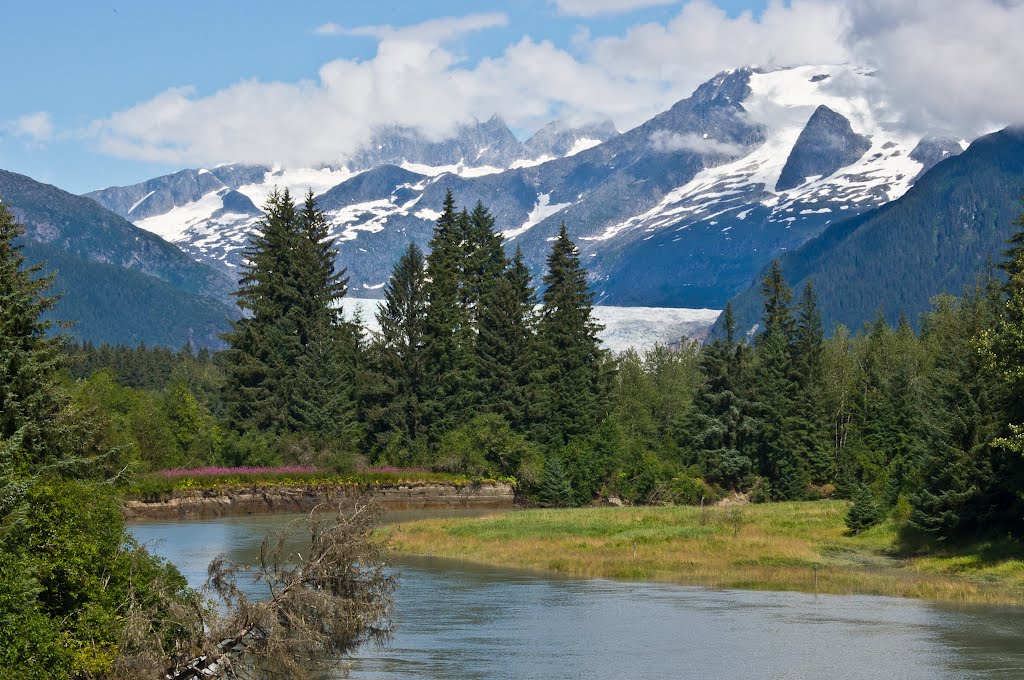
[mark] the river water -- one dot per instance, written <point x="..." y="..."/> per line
<point x="467" y="622"/>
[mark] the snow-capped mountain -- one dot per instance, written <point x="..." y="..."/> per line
<point x="680" y="211"/>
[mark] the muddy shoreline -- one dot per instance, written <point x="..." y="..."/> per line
<point x="235" y="501"/>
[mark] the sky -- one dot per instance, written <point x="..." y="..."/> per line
<point x="100" y="94"/>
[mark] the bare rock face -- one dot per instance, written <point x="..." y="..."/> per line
<point x="827" y="144"/>
<point x="205" y="503"/>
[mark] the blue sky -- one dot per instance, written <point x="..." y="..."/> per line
<point x="112" y="93"/>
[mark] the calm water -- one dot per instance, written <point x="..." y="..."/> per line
<point x="459" y="621"/>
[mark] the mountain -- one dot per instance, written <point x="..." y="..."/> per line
<point x="119" y="283"/>
<point x="681" y="211"/>
<point x="936" y="238"/>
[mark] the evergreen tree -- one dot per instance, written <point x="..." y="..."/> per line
<point x="808" y="434"/>
<point x="776" y="391"/>
<point x="505" y="344"/>
<point x="570" y="368"/>
<point x="722" y="426"/>
<point x="865" y="511"/>
<point x="265" y="344"/>
<point x="555" y="489"/>
<point x="448" y="342"/>
<point x="398" y="381"/>
<point x="29" y="361"/>
<point x="324" y="398"/>
<point x="485" y="260"/>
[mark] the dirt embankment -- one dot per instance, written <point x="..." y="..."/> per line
<point x="209" y="503"/>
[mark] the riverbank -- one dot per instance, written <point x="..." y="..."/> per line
<point x="198" y="501"/>
<point x="780" y="546"/>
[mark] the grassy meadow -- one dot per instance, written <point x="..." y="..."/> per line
<point x="801" y="546"/>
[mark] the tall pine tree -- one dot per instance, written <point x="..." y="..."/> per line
<point x="570" y="369"/>
<point x="398" y="389"/>
<point x="505" y="344"/>
<point x="29" y="360"/>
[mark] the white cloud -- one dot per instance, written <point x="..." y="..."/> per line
<point x="667" y="141"/>
<point x="948" y="64"/>
<point x="945" y="63"/>
<point x="36" y="126"/>
<point x="432" y="31"/>
<point x="590" y="8"/>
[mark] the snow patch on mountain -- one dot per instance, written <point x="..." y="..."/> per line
<point x="297" y="180"/>
<point x="783" y="101"/>
<point x="174" y="224"/>
<point x="460" y="169"/>
<point x="583" y="144"/>
<point x="542" y="210"/>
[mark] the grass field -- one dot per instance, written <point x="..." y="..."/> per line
<point x="779" y="546"/>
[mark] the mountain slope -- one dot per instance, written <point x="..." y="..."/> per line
<point x="937" y="238"/>
<point x="107" y="303"/>
<point x="681" y="211"/>
<point x="80" y="227"/>
<point x="118" y="282"/>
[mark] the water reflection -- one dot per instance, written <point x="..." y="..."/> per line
<point x="461" y="621"/>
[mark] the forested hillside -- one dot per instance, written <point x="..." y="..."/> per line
<point x="938" y="238"/>
<point x="118" y="283"/>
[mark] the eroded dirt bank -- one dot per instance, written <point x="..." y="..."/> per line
<point x="208" y="503"/>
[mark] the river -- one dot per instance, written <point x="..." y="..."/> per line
<point x="462" y="621"/>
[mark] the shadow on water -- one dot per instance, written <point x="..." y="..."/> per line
<point x="458" y="620"/>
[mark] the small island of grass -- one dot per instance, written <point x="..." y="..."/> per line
<point x="799" y="546"/>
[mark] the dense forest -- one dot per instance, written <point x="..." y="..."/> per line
<point x="478" y="370"/>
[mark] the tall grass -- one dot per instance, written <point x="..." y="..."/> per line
<point x="783" y="546"/>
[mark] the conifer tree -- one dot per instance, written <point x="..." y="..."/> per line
<point x="777" y="391"/>
<point x="865" y="511"/>
<point x="29" y="360"/>
<point x="324" y="398"/>
<point x="505" y="344"/>
<point x="398" y="385"/>
<point x="555" y="489"/>
<point x="485" y="260"/>
<point x="808" y="434"/>
<point x="264" y="345"/>
<point x="570" y="376"/>
<point x="722" y="425"/>
<point x="447" y="327"/>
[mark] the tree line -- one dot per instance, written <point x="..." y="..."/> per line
<point x="476" y="371"/>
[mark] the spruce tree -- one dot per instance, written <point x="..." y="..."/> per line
<point x="265" y="344"/>
<point x="448" y="342"/>
<point x="29" y="360"/>
<point x="505" y="344"/>
<point x="808" y="434"/>
<point x="570" y="372"/>
<point x="555" y="489"/>
<point x="777" y="391"/>
<point x="865" y="511"/>
<point x="398" y="385"/>
<point x="324" y="399"/>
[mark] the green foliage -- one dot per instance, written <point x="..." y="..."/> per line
<point x="570" y="374"/>
<point x="29" y="399"/>
<point x="555" y="490"/>
<point x="486" y="446"/>
<point x="865" y="512"/>
<point x="397" y="386"/>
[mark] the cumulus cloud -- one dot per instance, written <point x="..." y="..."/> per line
<point x="942" y="64"/>
<point x="945" y="63"/>
<point x="590" y="8"/>
<point x="667" y="141"/>
<point x="36" y="126"/>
